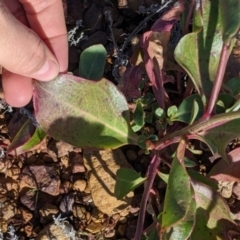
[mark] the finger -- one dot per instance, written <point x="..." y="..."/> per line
<point x="22" y="51"/>
<point x="46" y="18"/>
<point x="17" y="89"/>
<point x="16" y="8"/>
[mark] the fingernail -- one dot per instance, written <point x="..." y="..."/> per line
<point x="48" y="71"/>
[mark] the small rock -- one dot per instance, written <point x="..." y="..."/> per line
<point x="236" y="190"/>
<point x="67" y="203"/>
<point x="97" y="216"/>
<point x="13" y="172"/>
<point x="79" y="185"/>
<point x="121" y="229"/>
<point x="65" y="187"/>
<point x="225" y="188"/>
<point x="87" y="190"/>
<point x="65" y="161"/>
<point x="26" y="215"/>
<point x="59" y="148"/>
<point x="8" y="210"/>
<point x="102" y="167"/>
<point x="79" y="211"/>
<point x="77" y="163"/>
<point x="123" y="220"/>
<point x="55" y="231"/>
<point x="109" y="234"/>
<point x="47" y="212"/>
<point x="95" y="227"/>
<point x="43" y="178"/>
<point x="116" y="217"/>
<point x="27" y="198"/>
<point x="28" y="229"/>
<point x="4" y="226"/>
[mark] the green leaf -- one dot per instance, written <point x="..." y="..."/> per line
<point x="136" y="127"/>
<point x="211" y="146"/>
<point x="178" y="196"/>
<point x="148" y="98"/>
<point x="189" y="163"/>
<point x="152" y="137"/>
<point x="138" y="114"/>
<point x="186" y="109"/>
<point x="216" y="132"/>
<point x="163" y="176"/>
<point x="92" y="62"/>
<point x="126" y="181"/>
<point x="230" y="11"/>
<point x="199" y="52"/>
<point x="159" y="112"/>
<point x="172" y="111"/>
<point x="195" y="111"/>
<point x="203" y="179"/>
<point x="83" y="113"/>
<point x="184" y="229"/>
<point x="213" y="220"/>
<point x="26" y="138"/>
<point x="224" y="102"/>
<point x="220" y="136"/>
<point x="152" y="235"/>
<point x="142" y="141"/>
<point x="234" y="85"/>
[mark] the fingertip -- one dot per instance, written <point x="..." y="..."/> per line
<point x="17" y="89"/>
<point x="47" y="72"/>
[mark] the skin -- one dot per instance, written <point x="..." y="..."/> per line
<point x="33" y="45"/>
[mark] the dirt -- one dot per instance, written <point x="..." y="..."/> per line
<point x="59" y="181"/>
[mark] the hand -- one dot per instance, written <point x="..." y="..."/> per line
<point x="33" y="44"/>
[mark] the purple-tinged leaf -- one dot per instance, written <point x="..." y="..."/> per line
<point x="213" y="220"/>
<point x="154" y="44"/>
<point x="26" y="138"/>
<point x="83" y="113"/>
<point x="221" y="135"/>
<point x="131" y="81"/>
<point x="199" y="52"/>
<point x="224" y="171"/>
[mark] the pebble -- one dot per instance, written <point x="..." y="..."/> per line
<point x="110" y="234"/>
<point x="94" y="227"/>
<point x="79" y="211"/>
<point x="47" y="212"/>
<point x="67" y="203"/>
<point x="102" y="167"/>
<point x="26" y="215"/>
<point x="79" y="185"/>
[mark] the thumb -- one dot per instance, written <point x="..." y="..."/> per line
<point x="22" y="51"/>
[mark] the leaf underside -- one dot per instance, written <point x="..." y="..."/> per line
<point x="83" y="113"/>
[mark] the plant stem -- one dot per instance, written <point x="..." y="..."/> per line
<point x="151" y="173"/>
<point x="190" y="12"/>
<point x="218" y="82"/>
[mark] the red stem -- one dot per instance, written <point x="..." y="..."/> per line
<point x="190" y="12"/>
<point x="151" y="174"/>
<point x="218" y="82"/>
